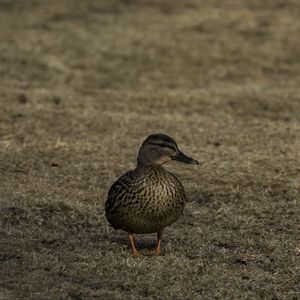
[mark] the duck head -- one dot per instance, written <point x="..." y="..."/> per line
<point x="158" y="149"/>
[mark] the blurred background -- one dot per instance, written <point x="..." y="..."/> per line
<point x="149" y="44"/>
<point x="83" y="83"/>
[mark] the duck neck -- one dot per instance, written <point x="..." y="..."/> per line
<point x="149" y="166"/>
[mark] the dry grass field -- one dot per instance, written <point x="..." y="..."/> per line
<point x="83" y="83"/>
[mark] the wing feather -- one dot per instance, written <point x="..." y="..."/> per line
<point x="116" y="193"/>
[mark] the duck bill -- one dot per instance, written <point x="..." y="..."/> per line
<point x="180" y="156"/>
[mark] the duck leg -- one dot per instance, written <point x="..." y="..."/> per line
<point x="135" y="253"/>
<point x="158" y="243"/>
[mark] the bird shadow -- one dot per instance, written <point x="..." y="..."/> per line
<point x="142" y="242"/>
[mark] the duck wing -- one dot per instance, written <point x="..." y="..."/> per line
<point x="117" y="193"/>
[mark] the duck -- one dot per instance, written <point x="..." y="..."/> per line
<point x="149" y="198"/>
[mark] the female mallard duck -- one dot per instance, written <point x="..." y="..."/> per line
<point x="149" y="198"/>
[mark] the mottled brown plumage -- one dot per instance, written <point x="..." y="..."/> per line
<point x="149" y="198"/>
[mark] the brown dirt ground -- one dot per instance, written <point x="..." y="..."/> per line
<point x="84" y="82"/>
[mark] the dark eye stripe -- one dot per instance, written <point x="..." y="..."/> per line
<point x="164" y="145"/>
